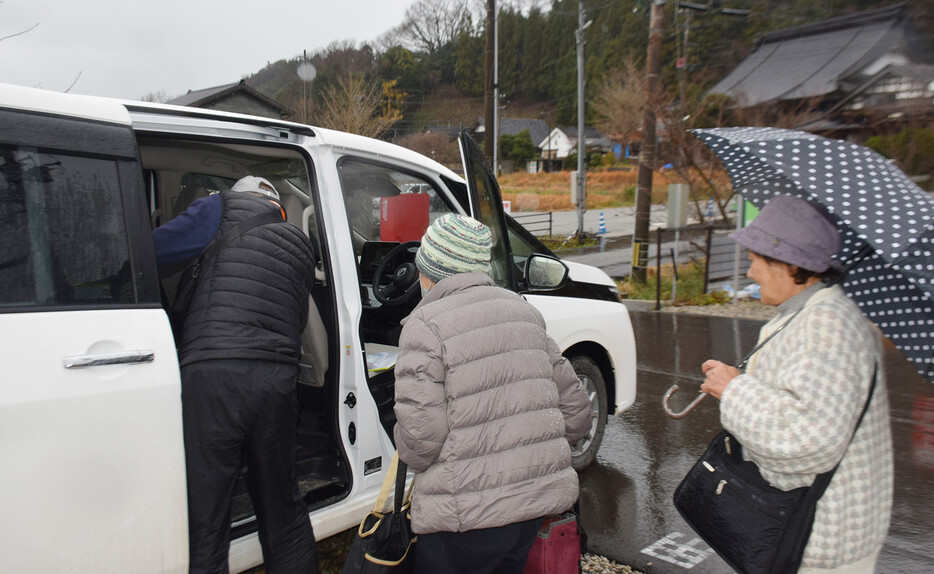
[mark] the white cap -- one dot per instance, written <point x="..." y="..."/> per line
<point x="253" y="184"/>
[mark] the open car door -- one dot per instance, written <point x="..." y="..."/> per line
<point x="486" y="206"/>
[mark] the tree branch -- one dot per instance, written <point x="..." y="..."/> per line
<point x="33" y="27"/>
<point x="75" y="81"/>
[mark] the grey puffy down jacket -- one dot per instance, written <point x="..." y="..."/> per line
<point x="486" y="407"/>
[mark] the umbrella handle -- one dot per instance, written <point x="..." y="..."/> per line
<point x="687" y="410"/>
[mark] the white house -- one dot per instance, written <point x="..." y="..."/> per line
<point x="562" y="142"/>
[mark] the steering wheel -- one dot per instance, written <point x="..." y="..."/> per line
<point x="404" y="281"/>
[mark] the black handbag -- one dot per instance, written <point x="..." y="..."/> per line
<point x="385" y="542"/>
<point x="755" y="527"/>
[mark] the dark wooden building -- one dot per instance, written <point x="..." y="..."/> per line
<point x="237" y="97"/>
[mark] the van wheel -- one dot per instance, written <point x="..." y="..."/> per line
<point x="584" y="451"/>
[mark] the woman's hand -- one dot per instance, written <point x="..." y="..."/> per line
<point x="717" y="376"/>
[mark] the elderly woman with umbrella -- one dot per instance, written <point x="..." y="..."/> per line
<point x="796" y="405"/>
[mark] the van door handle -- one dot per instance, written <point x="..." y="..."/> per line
<point x="122" y="358"/>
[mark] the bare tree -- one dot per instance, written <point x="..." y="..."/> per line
<point x="386" y="40"/>
<point x="792" y="114"/>
<point x="439" y="147"/>
<point x="30" y="29"/>
<point x="8" y="36"/>
<point x="20" y="33"/>
<point x="344" y="55"/>
<point x="157" y="97"/>
<point x="620" y="100"/>
<point x="354" y="105"/>
<point x="693" y="161"/>
<point x="524" y="6"/>
<point x="73" y="82"/>
<point x="430" y="25"/>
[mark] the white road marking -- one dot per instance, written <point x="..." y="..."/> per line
<point x="686" y="555"/>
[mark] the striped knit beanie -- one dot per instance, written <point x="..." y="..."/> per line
<point x="454" y="244"/>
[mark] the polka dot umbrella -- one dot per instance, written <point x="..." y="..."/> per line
<point x="873" y="203"/>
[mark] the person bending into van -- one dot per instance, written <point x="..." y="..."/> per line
<point x="486" y="406"/>
<point x="239" y="355"/>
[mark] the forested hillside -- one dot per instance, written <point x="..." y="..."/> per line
<point x="429" y="70"/>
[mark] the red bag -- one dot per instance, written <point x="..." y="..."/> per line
<point x="557" y="547"/>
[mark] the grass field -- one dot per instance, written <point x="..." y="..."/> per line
<point x="551" y="191"/>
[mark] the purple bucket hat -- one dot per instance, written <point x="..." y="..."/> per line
<point x="794" y="231"/>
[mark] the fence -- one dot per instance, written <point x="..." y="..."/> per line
<point x="537" y="224"/>
<point x="725" y="262"/>
<point x="726" y="259"/>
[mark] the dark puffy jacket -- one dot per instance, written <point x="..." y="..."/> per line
<point x="251" y="300"/>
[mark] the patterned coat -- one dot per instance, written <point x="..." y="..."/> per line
<point x="486" y="406"/>
<point x="794" y="411"/>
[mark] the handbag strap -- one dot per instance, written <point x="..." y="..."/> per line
<point x="742" y="364"/>
<point x="822" y="481"/>
<point x="394" y="482"/>
<point x="400" y="497"/>
<point x="237" y="230"/>
<point x="224" y="239"/>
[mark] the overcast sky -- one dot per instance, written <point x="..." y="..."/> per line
<point x="130" y="48"/>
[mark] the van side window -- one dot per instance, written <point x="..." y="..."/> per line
<point x="62" y="229"/>
<point x="385" y="204"/>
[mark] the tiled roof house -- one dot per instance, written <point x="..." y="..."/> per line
<point x="836" y="65"/>
<point x="237" y="97"/>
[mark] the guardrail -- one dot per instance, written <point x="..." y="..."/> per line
<point x="537" y="223"/>
<point x="722" y="262"/>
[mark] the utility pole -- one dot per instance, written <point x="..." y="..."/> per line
<point x="683" y="60"/>
<point x="581" y="139"/>
<point x="687" y="8"/>
<point x="640" y="236"/>
<point x="306" y="72"/>
<point x="495" y="93"/>
<point x="489" y="103"/>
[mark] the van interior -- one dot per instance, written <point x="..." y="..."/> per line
<point x="387" y="209"/>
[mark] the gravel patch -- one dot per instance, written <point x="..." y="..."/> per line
<point x="603" y="565"/>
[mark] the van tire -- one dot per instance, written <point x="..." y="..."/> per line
<point x="585" y="451"/>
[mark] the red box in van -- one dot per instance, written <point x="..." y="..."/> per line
<point x="403" y="217"/>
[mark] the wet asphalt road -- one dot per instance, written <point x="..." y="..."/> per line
<point x="626" y="494"/>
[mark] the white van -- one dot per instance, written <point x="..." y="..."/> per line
<point x="91" y="459"/>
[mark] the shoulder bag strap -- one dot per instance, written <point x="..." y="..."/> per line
<point x="389" y="482"/>
<point x="400" y="496"/>
<point x="742" y="364"/>
<point x="236" y="231"/>
<point x="186" y="285"/>
<point x="822" y="481"/>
